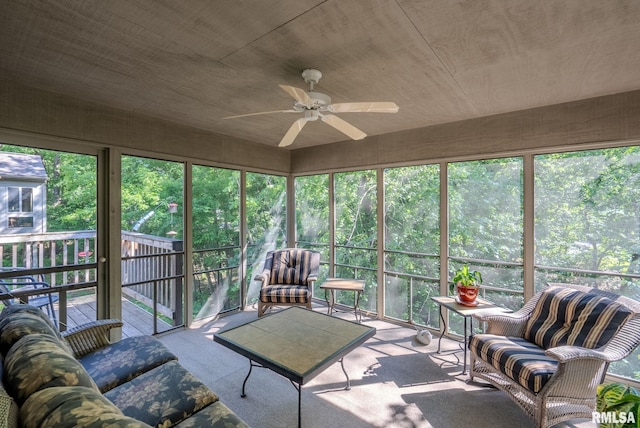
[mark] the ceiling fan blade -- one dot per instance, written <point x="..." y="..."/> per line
<point x="261" y="112"/>
<point x="343" y="126"/>
<point x="298" y="94"/>
<point x="365" y="107"/>
<point x="293" y="132"/>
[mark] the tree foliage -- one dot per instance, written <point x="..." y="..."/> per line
<point x="586" y="218"/>
<point x="71" y="190"/>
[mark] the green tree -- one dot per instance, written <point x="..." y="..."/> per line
<point x="148" y="187"/>
<point x="71" y="188"/>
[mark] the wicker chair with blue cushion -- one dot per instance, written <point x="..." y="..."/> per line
<point x="287" y="278"/>
<point x="25" y="282"/>
<point x="550" y="356"/>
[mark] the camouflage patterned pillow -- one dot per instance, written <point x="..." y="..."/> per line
<point x="17" y="321"/>
<point x="39" y="361"/>
<point x="73" y="406"/>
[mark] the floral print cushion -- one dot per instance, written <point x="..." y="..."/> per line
<point x="39" y="361"/>
<point x="163" y="396"/>
<point x="121" y="361"/>
<point x="17" y="321"/>
<point x="74" y="406"/>
<point x="215" y="415"/>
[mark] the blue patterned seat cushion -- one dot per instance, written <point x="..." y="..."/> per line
<point x="74" y="406"/>
<point x="39" y="361"/>
<point x="284" y="294"/>
<point x="121" y="361"/>
<point x="165" y="395"/>
<point x="523" y="361"/>
<point x="215" y="415"/>
<point x="564" y="316"/>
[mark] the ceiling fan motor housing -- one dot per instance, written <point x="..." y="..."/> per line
<point x="319" y="101"/>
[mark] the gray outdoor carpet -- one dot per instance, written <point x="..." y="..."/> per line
<point x="395" y="382"/>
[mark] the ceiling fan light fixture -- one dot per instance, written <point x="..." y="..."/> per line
<point x="311" y="115"/>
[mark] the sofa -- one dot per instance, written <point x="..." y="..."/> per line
<point x="550" y="356"/>
<point x="79" y="378"/>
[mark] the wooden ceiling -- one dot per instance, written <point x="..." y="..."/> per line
<point x="196" y="61"/>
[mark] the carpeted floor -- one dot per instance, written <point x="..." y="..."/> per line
<point x="395" y="382"/>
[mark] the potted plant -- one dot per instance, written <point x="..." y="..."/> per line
<point x="617" y="405"/>
<point x="467" y="284"/>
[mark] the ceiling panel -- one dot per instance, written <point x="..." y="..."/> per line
<point x="196" y="62"/>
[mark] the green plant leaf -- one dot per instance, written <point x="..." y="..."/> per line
<point x="618" y="397"/>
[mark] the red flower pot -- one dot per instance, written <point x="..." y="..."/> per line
<point x="467" y="295"/>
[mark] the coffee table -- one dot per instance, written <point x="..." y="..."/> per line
<point x="296" y="343"/>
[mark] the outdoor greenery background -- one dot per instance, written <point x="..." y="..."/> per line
<point x="586" y="216"/>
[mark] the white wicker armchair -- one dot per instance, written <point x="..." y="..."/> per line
<point x="556" y="382"/>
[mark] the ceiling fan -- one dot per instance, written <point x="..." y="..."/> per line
<point x="315" y="105"/>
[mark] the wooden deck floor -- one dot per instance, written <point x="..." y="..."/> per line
<point x="137" y="321"/>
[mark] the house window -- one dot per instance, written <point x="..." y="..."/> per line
<point x="20" y="222"/>
<point x="20" y="199"/>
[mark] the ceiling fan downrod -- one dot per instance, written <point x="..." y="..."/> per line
<point x="311" y="76"/>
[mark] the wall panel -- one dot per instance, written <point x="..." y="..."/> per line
<point x="32" y="110"/>
<point x="610" y="118"/>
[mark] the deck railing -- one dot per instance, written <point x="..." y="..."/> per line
<point x="152" y="266"/>
<point x="50" y="249"/>
<point x="152" y="272"/>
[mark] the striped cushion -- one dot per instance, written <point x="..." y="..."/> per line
<point x="564" y="316"/>
<point x="284" y="294"/>
<point x="290" y="267"/>
<point x="516" y="357"/>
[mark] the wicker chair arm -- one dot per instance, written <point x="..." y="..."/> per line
<point x="263" y="278"/>
<point x="579" y="372"/>
<point x="90" y="337"/>
<point x="504" y="324"/>
<point x="566" y="354"/>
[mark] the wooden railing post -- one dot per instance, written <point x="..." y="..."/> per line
<point x="178" y="314"/>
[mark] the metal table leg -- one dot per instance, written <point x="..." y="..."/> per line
<point x="348" y="387"/>
<point x="295" y="385"/>
<point x="299" y="388"/>
<point x="466" y="341"/>
<point x="329" y="305"/>
<point x="444" y="328"/>
<point x="464" y="358"/>
<point x="299" y="406"/>
<point x="243" y="395"/>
